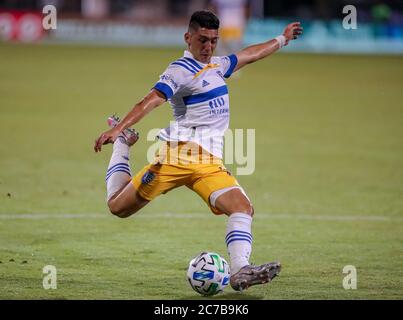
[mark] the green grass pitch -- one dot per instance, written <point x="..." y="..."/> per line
<point x="327" y="189"/>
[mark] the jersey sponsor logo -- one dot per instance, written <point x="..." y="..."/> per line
<point x="215" y="106"/>
<point x="205" y="83"/>
<point x="168" y="78"/>
<point x="219" y="111"/>
<point x="148" y="177"/>
<point x="216" y="103"/>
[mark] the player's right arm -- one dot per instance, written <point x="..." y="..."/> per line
<point x="151" y="101"/>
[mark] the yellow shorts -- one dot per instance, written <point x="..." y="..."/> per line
<point x="203" y="173"/>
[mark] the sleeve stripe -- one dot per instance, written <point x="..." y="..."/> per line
<point x="234" y="61"/>
<point x="165" y="89"/>
<point x="184" y="66"/>
<point x="189" y="65"/>
<point x="194" y="63"/>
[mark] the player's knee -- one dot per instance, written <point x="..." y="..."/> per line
<point x="117" y="210"/>
<point x="246" y="208"/>
<point x="249" y="209"/>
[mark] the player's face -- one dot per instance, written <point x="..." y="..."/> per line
<point x="202" y="43"/>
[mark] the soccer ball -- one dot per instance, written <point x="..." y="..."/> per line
<point x="208" y="273"/>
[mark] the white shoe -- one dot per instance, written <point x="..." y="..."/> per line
<point x="130" y="136"/>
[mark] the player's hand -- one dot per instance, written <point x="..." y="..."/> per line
<point x="292" y="31"/>
<point x="105" y="138"/>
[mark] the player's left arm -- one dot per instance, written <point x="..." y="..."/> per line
<point x="262" y="50"/>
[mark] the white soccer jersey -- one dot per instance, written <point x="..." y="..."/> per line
<point x="199" y="98"/>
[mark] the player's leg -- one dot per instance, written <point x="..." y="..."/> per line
<point x="126" y="201"/>
<point x="232" y="200"/>
<point x="122" y="198"/>
<point x="154" y="179"/>
<point x="222" y="193"/>
<point x="234" y="203"/>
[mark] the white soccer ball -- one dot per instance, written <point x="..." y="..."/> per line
<point x="208" y="273"/>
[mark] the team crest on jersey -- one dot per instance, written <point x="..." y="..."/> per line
<point x="148" y="177"/>
<point x="205" y="83"/>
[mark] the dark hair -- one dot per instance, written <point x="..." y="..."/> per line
<point x="204" y="19"/>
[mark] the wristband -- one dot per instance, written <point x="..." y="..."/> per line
<point x="281" y="41"/>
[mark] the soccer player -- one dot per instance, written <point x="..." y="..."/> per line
<point x="191" y="152"/>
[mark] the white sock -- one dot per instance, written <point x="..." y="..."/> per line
<point x="118" y="173"/>
<point x="239" y="240"/>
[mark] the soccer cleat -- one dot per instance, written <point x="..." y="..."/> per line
<point x="251" y="275"/>
<point x="130" y="136"/>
